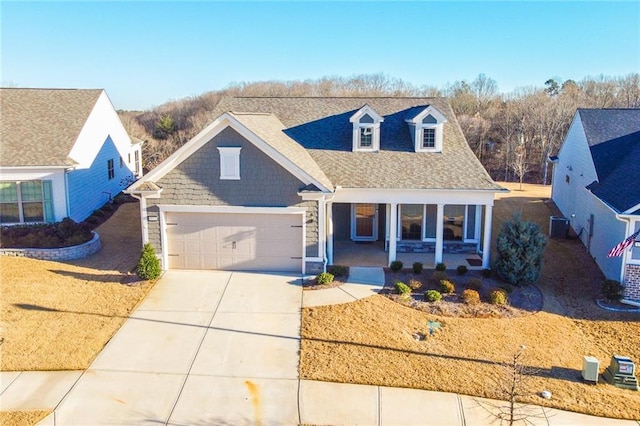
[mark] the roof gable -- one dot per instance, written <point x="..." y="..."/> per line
<point x="613" y="136"/>
<point x="40" y="126"/>
<point x="264" y="131"/>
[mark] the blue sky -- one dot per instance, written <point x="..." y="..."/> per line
<point x="145" y="53"/>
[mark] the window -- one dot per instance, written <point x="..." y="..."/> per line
<point x="26" y="202"/>
<point x="429" y="137"/>
<point x="110" y="170"/>
<point x="121" y="162"/>
<point x="427" y="129"/>
<point x="366" y="137"/>
<point x="366" y="129"/>
<point x="229" y="163"/>
<point x="137" y="157"/>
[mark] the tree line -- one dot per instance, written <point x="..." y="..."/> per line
<point x="512" y="134"/>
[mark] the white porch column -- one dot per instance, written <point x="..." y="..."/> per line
<point x="439" y="232"/>
<point x="486" y="243"/>
<point x="393" y="231"/>
<point x="330" y="233"/>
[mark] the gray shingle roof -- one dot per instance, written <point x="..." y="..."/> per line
<point x="38" y="127"/>
<point x="321" y="125"/>
<point x="268" y="128"/>
<point x="613" y="136"/>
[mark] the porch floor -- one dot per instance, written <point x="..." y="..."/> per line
<point x="350" y="253"/>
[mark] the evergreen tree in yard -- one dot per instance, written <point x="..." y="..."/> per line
<point x="148" y="265"/>
<point x="520" y="248"/>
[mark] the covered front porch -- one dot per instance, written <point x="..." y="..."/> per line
<point x="353" y="253"/>
<point x="411" y="226"/>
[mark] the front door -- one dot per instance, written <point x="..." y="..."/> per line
<point x="364" y="222"/>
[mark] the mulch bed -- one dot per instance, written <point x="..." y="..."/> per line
<point x="521" y="300"/>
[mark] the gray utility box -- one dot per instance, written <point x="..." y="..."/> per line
<point x="590" y="367"/>
<point x="558" y="227"/>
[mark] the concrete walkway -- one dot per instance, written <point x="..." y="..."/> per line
<point x="362" y="282"/>
<point x="222" y="348"/>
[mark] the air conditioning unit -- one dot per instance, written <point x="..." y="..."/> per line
<point x="590" y="367"/>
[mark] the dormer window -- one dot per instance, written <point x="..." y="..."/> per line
<point x="366" y="129"/>
<point x="427" y="130"/>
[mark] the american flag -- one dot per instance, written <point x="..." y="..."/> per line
<point x="622" y="246"/>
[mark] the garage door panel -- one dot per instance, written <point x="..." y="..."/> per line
<point x="260" y="242"/>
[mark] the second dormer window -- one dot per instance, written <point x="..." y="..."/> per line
<point x="429" y="137"/>
<point x="366" y="137"/>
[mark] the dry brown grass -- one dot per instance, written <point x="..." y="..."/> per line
<point x="59" y="315"/>
<point x="22" y="418"/>
<point x="371" y="342"/>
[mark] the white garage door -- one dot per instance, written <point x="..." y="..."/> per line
<point x="245" y="242"/>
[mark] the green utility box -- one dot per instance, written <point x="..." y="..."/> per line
<point x="621" y="373"/>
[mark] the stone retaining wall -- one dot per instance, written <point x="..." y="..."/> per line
<point x="62" y="253"/>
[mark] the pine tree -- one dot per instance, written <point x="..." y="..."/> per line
<point x="520" y="248"/>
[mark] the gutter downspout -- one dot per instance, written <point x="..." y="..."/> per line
<point x="143" y="217"/>
<point x="325" y="199"/>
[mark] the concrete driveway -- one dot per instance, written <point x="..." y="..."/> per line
<point x="205" y="347"/>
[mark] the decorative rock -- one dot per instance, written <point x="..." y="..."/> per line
<point x="545" y="394"/>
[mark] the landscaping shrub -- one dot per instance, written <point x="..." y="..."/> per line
<point x="486" y="273"/>
<point x="98" y="213"/>
<point x="498" y="297"/>
<point x="447" y="287"/>
<point x="47" y="235"/>
<point x="93" y="220"/>
<point x="474" y="284"/>
<point x="462" y="269"/>
<point x="438" y="276"/>
<point x="107" y="207"/>
<point x="470" y="297"/>
<point x="432" y="296"/>
<point x="396" y="265"/>
<point x="417" y="267"/>
<point x="148" y="265"/>
<point x="415" y="284"/>
<point x="520" y="247"/>
<point x="507" y="288"/>
<point x="325" y="278"/>
<point x="441" y="267"/>
<point x="612" y="289"/>
<point x="402" y="288"/>
<point x="337" y="270"/>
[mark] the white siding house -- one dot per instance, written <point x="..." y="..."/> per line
<point x="63" y="153"/>
<point x="595" y="185"/>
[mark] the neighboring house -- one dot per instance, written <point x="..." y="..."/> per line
<point x="596" y="186"/>
<point x="275" y="183"/>
<point x="63" y="153"/>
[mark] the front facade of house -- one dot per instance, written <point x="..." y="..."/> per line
<point x="64" y="153"/>
<point x="278" y="183"/>
<point x="595" y="185"/>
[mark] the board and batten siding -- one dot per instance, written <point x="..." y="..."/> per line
<point x="263" y="183"/>
<point x="90" y="188"/>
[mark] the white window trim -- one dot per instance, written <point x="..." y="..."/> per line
<point x="465" y="224"/>
<point x="357" y="125"/>
<point x="635" y="224"/>
<point x="229" y="155"/>
<point x="438" y="138"/>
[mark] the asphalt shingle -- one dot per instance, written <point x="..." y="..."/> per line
<point x="322" y="127"/>
<point x="38" y="127"/>
<point x="613" y="136"/>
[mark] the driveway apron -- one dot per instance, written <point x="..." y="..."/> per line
<point x="205" y="347"/>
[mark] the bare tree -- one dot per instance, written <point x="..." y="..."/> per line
<point x="519" y="162"/>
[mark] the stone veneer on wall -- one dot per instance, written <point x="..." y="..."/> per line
<point x="63" y="253"/>
<point x="632" y="282"/>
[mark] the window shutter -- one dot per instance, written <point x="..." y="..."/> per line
<point x="47" y="197"/>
